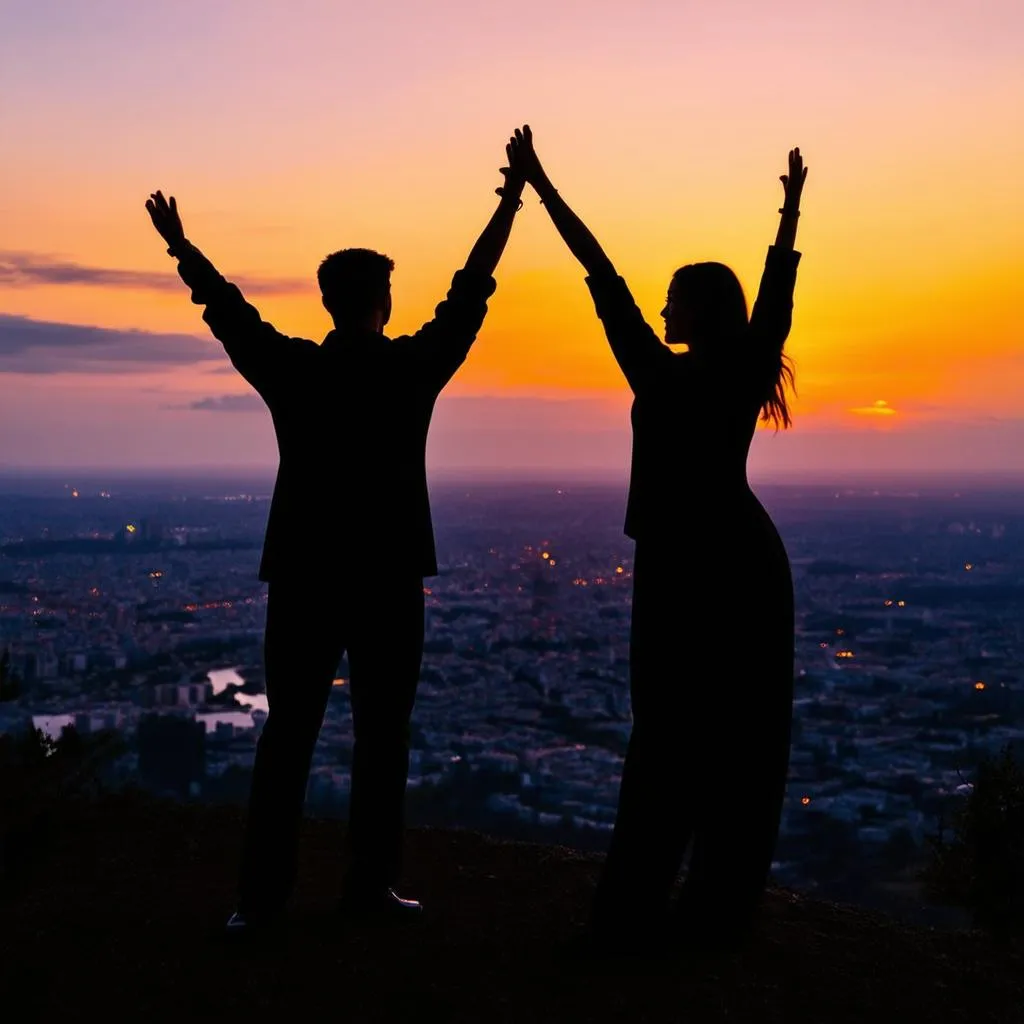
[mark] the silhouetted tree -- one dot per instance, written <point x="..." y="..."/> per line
<point x="41" y="779"/>
<point x="979" y="863"/>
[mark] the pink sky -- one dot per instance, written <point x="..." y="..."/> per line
<point x="288" y="130"/>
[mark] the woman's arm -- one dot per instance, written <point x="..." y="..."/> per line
<point x="793" y="186"/>
<point x="772" y="314"/>
<point x="576" y="235"/>
<point x="637" y="349"/>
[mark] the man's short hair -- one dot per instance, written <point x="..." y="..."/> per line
<point x="355" y="282"/>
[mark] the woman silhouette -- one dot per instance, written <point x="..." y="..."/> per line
<point x="711" y="644"/>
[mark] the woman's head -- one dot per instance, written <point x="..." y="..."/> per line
<point x="707" y="310"/>
<point x="705" y="306"/>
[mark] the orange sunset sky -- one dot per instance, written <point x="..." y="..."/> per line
<point x="287" y="130"/>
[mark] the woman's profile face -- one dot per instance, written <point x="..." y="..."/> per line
<point x="678" y="317"/>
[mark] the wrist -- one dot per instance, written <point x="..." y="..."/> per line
<point x="542" y="185"/>
<point x="510" y="197"/>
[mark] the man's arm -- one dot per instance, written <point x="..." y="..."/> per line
<point x="254" y="347"/>
<point x="441" y="346"/>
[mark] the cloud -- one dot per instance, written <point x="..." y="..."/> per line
<point x="26" y="269"/>
<point x="228" y="403"/>
<point x="42" y="346"/>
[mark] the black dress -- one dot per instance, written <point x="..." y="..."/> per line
<point x="711" y="646"/>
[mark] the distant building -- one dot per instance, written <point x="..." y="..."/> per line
<point x="172" y="754"/>
<point x="76" y="662"/>
<point x="152" y="529"/>
<point x="180" y="695"/>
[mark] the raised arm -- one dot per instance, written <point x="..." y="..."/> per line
<point x="254" y="347"/>
<point x="441" y="345"/>
<point x="484" y="256"/>
<point x="637" y="349"/>
<point x="772" y="315"/>
<point x="576" y="235"/>
<point x="793" y="187"/>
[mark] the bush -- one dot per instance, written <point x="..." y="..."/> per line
<point x="978" y="863"/>
<point x="41" y="781"/>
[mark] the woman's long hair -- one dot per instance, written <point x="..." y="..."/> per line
<point x="718" y="308"/>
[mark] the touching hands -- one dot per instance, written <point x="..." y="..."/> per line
<point x="793" y="183"/>
<point x="165" y="218"/>
<point x="525" y="156"/>
<point x="523" y="165"/>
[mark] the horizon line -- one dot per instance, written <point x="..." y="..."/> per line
<point x="489" y="474"/>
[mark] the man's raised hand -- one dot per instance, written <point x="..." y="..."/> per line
<point x="165" y="218"/>
<point x="513" y="174"/>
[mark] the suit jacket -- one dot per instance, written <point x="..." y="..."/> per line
<point x="351" y="417"/>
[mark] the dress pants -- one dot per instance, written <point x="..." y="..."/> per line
<point x="309" y="626"/>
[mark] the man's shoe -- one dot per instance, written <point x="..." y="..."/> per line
<point x="384" y="905"/>
<point x="247" y="927"/>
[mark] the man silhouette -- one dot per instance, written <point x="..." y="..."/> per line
<point x="348" y="541"/>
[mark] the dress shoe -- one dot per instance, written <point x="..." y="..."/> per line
<point x="379" y="905"/>
<point x="245" y="927"/>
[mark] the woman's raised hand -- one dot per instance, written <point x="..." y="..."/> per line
<point x="793" y="183"/>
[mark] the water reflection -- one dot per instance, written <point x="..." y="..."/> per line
<point x="52" y="725"/>
<point x="220" y="679"/>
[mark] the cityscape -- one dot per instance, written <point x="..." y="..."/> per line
<point x="133" y="605"/>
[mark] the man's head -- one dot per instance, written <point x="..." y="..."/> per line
<point x="356" y="288"/>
